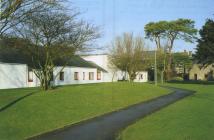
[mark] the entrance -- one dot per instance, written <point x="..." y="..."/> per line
<point x="195" y="77"/>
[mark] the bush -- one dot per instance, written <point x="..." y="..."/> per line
<point x="177" y="79"/>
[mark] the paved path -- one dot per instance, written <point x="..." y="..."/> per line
<point x="107" y="126"/>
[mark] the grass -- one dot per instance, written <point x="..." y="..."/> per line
<point x="42" y="112"/>
<point x="8" y="95"/>
<point x="189" y="119"/>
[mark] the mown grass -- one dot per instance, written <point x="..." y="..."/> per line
<point x="189" y="119"/>
<point x="9" y="95"/>
<point x="42" y="112"/>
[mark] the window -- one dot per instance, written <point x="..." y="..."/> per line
<point x="83" y="75"/>
<point x="91" y="76"/>
<point x="76" y="76"/>
<point x="30" y="76"/>
<point x="98" y="75"/>
<point x="141" y="76"/>
<point x="61" y="76"/>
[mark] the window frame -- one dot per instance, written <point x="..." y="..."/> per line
<point x="62" y="76"/>
<point x="30" y="73"/>
<point x="91" y="77"/>
<point x="76" y="75"/>
<point x="98" y="75"/>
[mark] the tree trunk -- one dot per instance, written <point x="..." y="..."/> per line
<point x="45" y="80"/>
<point x="169" y="65"/>
<point x="46" y="73"/>
<point x="112" y="79"/>
<point x="132" y="76"/>
<point x="157" y="41"/>
<point x="162" y="77"/>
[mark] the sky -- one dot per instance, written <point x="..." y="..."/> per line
<point x="114" y="17"/>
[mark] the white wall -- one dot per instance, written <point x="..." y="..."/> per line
<point x="103" y="61"/>
<point x="35" y="83"/>
<point x="16" y="75"/>
<point x="13" y="75"/>
<point x="69" y="76"/>
<point x="142" y="77"/>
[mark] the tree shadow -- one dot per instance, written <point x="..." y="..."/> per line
<point x="74" y="85"/>
<point x="15" y="101"/>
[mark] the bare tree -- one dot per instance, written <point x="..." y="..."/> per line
<point x="12" y="12"/>
<point x="55" y="37"/>
<point x="128" y="54"/>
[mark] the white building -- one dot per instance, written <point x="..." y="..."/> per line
<point x="113" y="73"/>
<point x="88" y="69"/>
<point x="13" y="75"/>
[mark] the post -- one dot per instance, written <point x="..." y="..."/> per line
<point x="155" y="72"/>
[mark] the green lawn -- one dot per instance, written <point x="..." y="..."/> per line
<point x="6" y="96"/>
<point x="42" y="112"/>
<point x="189" y="119"/>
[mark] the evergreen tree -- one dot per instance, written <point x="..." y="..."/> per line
<point x="205" y="48"/>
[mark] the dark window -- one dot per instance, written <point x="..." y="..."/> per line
<point x="98" y="75"/>
<point x="91" y="75"/>
<point x="76" y="76"/>
<point x="30" y="76"/>
<point x="141" y="76"/>
<point x="61" y="76"/>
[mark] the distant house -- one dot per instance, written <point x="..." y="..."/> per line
<point x="200" y="72"/>
<point x="18" y="73"/>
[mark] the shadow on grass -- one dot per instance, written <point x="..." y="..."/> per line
<point x="77" y="85"/>
<point x="15" y="101"/>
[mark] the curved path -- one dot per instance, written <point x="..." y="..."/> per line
<point x="107" y="126"/>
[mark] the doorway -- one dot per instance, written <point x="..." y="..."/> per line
<point x="195" y="77"/>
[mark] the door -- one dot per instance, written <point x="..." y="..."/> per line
<point x="195" y="77"/>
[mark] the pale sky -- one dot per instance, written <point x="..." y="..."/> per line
<point x="115" y="17"/>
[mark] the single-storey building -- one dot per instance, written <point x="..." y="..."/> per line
<point x="17" y="73"/>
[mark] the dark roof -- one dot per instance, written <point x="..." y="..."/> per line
<point x="14" y="58"/>
<point x="75" y="61"/>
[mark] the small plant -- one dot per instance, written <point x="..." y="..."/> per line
<point x="177" y="79"/>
